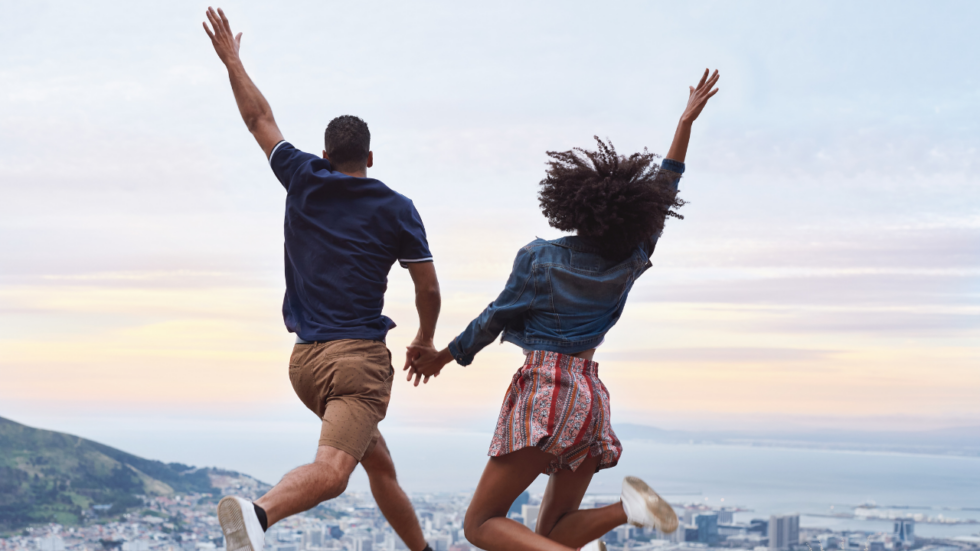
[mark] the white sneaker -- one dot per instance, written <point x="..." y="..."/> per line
<point x="645" y="508"/>
<point x="597" y="545"/>
<point x="241" y="526"/>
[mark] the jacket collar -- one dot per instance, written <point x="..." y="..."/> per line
<point x="577" y="243"/>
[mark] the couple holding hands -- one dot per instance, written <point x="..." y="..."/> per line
<point x="343" y="233"/>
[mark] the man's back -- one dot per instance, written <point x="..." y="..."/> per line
<point x="342" y="235"/>
<point x="343" y="232"/>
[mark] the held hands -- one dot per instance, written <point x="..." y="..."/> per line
<point x="699" y="97"/>
<point x="225" y="44"/>
<point x="423" y="361"/>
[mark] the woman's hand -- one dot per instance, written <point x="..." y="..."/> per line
<point x="426" y="362"/>
<point x="699" y="96"/>
<point x="696" y="101"/>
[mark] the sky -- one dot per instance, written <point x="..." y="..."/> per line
<point x="826" y="275"/>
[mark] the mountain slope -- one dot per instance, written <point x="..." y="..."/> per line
<point x="48" y="476"/>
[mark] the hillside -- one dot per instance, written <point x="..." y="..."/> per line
<point x="48" y="476"/>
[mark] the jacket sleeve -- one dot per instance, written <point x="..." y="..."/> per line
<point x="515" y="299"/>
<point x="670" y="171"/>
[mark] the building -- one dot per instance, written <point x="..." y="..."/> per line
<point x="523" y="499"/>
<point x="905" y="531"/>
<point x="530" y="514"/>
<point x="784" y="532"/>
<point x="707" y="524"/>
<point x="440" y="543"/>
<point x="624" y="532"/>
<point x="759" y="526"/>
<point x="830" y="541"/>
<point x="312" y="538"/>
<point x="54" y="543"/>
<point x="677" y="536"/>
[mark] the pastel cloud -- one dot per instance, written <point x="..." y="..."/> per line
<point x="827" y="265"/>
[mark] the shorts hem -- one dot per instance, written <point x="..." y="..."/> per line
<point x="608" y="458"/>
<point x="344" y="448"/>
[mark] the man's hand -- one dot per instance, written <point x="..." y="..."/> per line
<point x="251" y="104"/>
<point x="426" y="363"/>
<point x="225" y="44"/>
<point x="699" y="96"/>
<point x="419" y="347"/>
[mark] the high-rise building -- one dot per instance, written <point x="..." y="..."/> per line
<point x="905" y="531"/>
<point x="707" y="524"/>
<point x="687" y="515"/>
<point x="523" y="499"/>
<point x="784" y="532"/>
<point x="530" y="514"/>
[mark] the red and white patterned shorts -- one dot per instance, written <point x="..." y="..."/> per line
<point x="557" y="404"/>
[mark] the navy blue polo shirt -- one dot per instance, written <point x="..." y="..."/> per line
<point x="343" y="234"/>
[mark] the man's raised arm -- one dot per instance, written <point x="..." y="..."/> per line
<point x="251" y="103"/>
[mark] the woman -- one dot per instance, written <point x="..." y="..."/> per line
<point x="560" y="300"/>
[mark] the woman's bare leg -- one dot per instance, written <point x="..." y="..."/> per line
<point x="505" y="477"/>
<point x="486" y="524"/>
<point x="560" y="519"/>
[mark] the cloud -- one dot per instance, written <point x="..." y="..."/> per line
<point x="828" y="255"/>
<point x="720" y="355"/>
<point x="855" y="291"/>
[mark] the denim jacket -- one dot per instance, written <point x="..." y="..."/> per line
<point x="561" y="296"/>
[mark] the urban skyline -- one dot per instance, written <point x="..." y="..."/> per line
<point x="352" y="522"/>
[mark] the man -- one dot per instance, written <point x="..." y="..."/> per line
<point x="343" y="232"/>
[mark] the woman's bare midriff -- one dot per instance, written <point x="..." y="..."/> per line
<point x="586" y="355"/>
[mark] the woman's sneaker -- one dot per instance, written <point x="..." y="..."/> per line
<point x="241" y="526"/>
<point x="645" y="508"/>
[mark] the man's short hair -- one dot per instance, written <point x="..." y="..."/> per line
<point x="347" y="142"/>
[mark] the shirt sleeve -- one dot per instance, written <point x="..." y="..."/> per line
<point x="287" y="162"/>
<point x="516" y="299"/>
<point x="670" y="172"/>
<point x="413" y="246"/>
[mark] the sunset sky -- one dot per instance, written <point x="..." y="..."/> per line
<point x="826" y="275"/>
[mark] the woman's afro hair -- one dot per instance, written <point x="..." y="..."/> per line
<point x="618" y="201"/>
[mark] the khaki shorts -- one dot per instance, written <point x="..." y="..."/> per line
<point x="347" y="383"/>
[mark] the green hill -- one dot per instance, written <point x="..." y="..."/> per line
<point x="48" y="476"/>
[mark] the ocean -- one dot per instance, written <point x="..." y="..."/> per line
<point x="764" y="480"/>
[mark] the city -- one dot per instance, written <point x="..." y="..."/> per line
<point x="353" y="522"/>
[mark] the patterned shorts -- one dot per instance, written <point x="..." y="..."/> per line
<point x="557" y="403"/>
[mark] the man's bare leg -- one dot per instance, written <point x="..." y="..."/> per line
<point x="305" y="487"/>
<point x="390" y="497"/>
